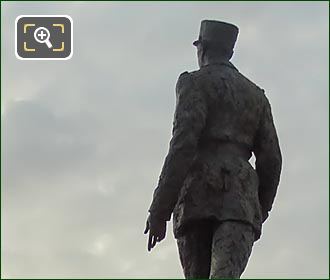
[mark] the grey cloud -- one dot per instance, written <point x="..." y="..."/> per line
<point x="84" y="140"/>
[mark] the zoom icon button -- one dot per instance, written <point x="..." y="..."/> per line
<point x="43" y="37"/>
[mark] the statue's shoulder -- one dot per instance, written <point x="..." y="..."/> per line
<point x="259" y="91"/>
<point x="184" y="75"/>
<point x="200" y="76"/>
<point x="200" y="73"/>
<point x="189" y="82"/>
<point x="185" y="81"/>
<point x="193" y="78"/>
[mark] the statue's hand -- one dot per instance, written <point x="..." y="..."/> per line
<point x="157" y="231"/>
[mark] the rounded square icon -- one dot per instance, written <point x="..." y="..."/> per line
<point x="43" y="37"/>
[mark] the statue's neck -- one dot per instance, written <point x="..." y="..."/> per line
<point x="217" y="60"/>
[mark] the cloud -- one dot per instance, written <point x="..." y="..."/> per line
<point x="84" y="140"/>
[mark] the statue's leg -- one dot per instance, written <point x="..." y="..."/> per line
<point x="231" y="249"/>
<point x="195" y="249"/>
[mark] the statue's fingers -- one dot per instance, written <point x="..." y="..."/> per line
<point x="154" y="241"/>
<point x="150" y="241"/>
<point x="161" y="237"/>
<point x="147" y="228"/>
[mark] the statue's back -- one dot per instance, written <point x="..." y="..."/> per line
<point x="234" y="104"/>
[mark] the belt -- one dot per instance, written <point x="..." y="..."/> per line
<point x="226" y="149"/>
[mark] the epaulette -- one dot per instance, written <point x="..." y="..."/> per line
<point x="182" y="80"/>
<point x="183" y="73"/>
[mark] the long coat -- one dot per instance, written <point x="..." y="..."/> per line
<point x="217" y="105"/>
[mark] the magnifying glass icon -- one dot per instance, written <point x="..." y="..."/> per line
<point x="41" y="35"/>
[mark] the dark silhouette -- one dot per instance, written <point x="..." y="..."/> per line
<point x="219" y="201"/>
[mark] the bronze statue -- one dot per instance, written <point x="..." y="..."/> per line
<point x="218" y="200"/>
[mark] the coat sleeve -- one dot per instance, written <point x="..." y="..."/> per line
<point x="189" y="121"/>
<point x="268" y="159"/>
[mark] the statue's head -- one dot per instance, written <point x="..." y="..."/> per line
<point x="216" y="41"/>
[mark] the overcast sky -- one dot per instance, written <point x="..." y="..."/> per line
<point x="84" y="140"/>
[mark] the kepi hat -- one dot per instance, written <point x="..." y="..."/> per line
<point x="217" y="33"/>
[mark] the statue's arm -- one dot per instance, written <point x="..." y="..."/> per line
<point x="268" y="159"/>
<point x="189" y="120"/>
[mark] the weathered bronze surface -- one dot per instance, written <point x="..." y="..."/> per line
<point x="218" y="200"/>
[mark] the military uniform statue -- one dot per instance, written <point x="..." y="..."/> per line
<point x="218" y="200"/>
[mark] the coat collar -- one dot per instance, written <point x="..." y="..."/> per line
<point x="226" y="63"/>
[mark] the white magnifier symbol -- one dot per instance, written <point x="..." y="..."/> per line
<point x="41" y="35"/>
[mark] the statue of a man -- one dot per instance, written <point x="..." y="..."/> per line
<point x="218" y="200"/>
